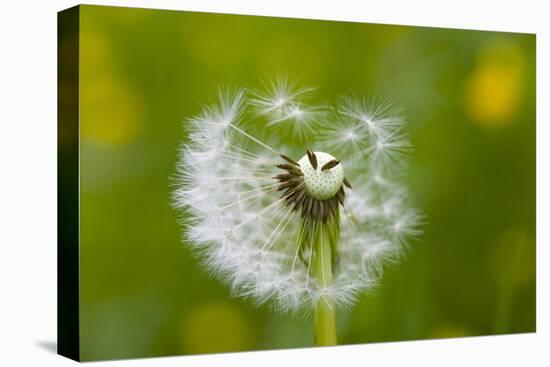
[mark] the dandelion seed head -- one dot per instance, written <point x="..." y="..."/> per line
<point x="321" y="184"/>
<point x="245" y="202"/>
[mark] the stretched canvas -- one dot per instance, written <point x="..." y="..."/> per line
<point x="232" y="183"/>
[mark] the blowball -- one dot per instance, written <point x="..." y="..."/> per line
<point x="256" y="212"/>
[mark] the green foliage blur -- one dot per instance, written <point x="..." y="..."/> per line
<point x="469" y="98"/>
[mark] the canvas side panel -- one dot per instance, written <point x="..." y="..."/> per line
<point x="68" y="343"/>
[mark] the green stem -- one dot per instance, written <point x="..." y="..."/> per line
<point x="325" y="323"/>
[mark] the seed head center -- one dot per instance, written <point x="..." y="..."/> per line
<point x="321" y="182"/>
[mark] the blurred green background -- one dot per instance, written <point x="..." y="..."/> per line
<point x="469" y="97"/>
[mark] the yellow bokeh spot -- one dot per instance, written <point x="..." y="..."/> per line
<point x="110" y="113"/>
<point x="495" y="88"/>
<point x="215" y="328"/>
<point x="110" y="110"/>
<point x="95" y="50"/>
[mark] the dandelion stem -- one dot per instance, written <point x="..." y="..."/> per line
<point x="325" y="322"/>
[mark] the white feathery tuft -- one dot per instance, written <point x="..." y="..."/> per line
<point x="242" y="228"/>
<point x="283" y="103"/>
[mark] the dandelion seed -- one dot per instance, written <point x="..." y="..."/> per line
<point x="283" y="103"/>
<point x="285" y="226"/>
